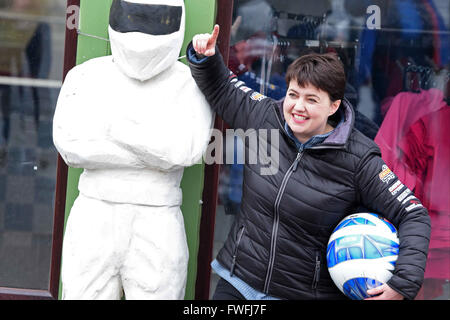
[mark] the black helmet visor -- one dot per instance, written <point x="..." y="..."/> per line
<point x="146" y="18"/>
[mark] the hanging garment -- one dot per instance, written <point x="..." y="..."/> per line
<point x="427" y="153"/>
<point x="406" y="108"/>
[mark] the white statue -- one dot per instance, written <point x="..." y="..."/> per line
<point x="133" y="121"/>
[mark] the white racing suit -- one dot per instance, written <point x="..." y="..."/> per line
<point x="133" y="137"/>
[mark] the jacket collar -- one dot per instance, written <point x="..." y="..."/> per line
<point x="339" y="137"/>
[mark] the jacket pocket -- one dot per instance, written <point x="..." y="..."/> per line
<point x="316" y="271"/>
<point x="240" y="233"/>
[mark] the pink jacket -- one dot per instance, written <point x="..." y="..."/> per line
<point x="414" y="143"/>
<point x="427" y="153"/>
<point x="405" y="109"/>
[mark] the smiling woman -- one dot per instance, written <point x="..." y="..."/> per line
<point x="396" y="56"/>
<point x="327" y="170"/>
<point x="316" y="89"/>
<point x="306" y="110"/>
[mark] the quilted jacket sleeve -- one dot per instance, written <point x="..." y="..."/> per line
<point x="381" y="190"/>
<point x="239" y="106"/>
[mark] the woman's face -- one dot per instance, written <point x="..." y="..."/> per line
<point x="306" y="110"/>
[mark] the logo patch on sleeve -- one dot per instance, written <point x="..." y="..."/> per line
<point x="257" y="96"/>
<point x="415" y="203"/>
<point x="245" y="89"/>
<point x="403" y="195"/>
<point x="396" y="187"/>
<point x="386" y="174"/>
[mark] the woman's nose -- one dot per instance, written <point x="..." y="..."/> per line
<point x="300" y="105"/>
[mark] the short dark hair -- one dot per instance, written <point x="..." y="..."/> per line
<point x="323" y="71"/>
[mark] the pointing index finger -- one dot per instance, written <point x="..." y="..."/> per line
<point x="215" y="33"/>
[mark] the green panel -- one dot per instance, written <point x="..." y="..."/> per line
<point x="200" y="16"/>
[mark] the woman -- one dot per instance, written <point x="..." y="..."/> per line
<point x="276" y="248"/>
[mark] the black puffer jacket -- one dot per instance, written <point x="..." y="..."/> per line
<point x="278" y="241"/>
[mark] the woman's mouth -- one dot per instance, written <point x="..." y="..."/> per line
<point x="299" y="118"/>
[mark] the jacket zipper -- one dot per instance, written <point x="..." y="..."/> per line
<point x="273" y="240"/>
<point x="239" y="237"/>
<point x="316" y="271"/>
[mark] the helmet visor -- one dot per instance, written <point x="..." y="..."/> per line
<point x="146" y="18"/>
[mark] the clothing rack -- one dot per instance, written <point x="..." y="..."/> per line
<point x="314" y="20"/>
<point x="305" y="24"/>
<point x="311" y="22"/>
<point x="287" y="42"/>
<point x="423" y="75"/>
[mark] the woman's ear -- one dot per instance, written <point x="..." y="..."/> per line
<point x="334" y="107"/>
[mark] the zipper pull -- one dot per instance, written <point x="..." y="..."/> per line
<point x="238" y="240"/>
<point x="316" y="272"/>
<point x="233" y="265"/>
<point x="296" y="161"/>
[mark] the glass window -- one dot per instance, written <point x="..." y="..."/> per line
<point x="396" y="54"/>
<point x="31" y="62"/>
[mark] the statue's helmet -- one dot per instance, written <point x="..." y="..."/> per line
<point x="146" y="35"/>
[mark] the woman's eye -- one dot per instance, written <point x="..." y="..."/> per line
<point x="312" y="100"/>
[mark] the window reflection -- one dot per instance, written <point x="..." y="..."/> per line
<point x="31" y="60"/>
<point x="396" y="59"/>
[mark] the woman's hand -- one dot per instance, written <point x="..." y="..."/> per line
<point x="205" y="43"/>
<point x="384" y="292"/>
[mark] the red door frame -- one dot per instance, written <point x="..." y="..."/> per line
<point x="211" y="179"/>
